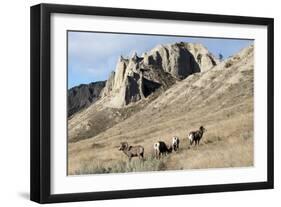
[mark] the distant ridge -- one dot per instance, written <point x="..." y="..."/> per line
<point x="80" y="97"/>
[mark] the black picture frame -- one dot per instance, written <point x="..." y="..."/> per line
<point x="41" y="97"/>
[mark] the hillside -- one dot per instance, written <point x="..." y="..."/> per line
<point x="220" y="99"/>
<point x="82" y="96"/>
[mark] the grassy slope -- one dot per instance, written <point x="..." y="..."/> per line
<point x="220" y="99"/>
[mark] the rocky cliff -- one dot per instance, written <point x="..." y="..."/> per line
<point x="137" y="77"/>
<point x="83" y="95"/>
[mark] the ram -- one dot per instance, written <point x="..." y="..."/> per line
<point x="132" y="151"/>
<point x="160" y="149"/>
<point x="175" y="143"/>
<point x="196" y="136"/>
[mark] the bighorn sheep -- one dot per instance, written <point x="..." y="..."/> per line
<point x="132" y="151"/>
<point x="195" y="136"/>
<point x="160" y="148"/>
<point x="175" y="143"/>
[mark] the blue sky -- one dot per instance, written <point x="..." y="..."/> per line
<point x="92" y="56"/>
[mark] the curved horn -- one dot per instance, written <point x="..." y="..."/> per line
<point x="126" y="144"/>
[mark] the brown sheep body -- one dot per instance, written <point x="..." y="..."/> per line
<point x="132" y="151"/>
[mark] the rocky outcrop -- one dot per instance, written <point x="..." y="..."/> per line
<point x="203" y="57"/>
<point x="83" y="95"/>
<point x="174" y="59"/>
<point x="133" y="92"/>
<point x="109" y="84"/>
<point x="136" y="77"/>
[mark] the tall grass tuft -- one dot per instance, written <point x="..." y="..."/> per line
<point x="148" y="164"/>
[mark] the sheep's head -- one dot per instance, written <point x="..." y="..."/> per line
<point x="123" y="145"/>
<point x="203" y="129"/>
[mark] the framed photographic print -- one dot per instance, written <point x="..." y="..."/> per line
<point x="132" y="103"/>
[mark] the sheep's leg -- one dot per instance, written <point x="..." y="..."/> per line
<point x="141" y="156"/>
<point x="192" y="142"/>
<point x="197" y="143"/>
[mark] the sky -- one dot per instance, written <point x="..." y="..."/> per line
<point x="92" y="56"/>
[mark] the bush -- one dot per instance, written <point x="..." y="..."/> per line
<point x="135" y="165"/>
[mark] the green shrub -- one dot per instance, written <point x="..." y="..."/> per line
<point x="135" y="165"/>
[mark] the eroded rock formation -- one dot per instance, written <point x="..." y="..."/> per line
<point x="137" y="77"/>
